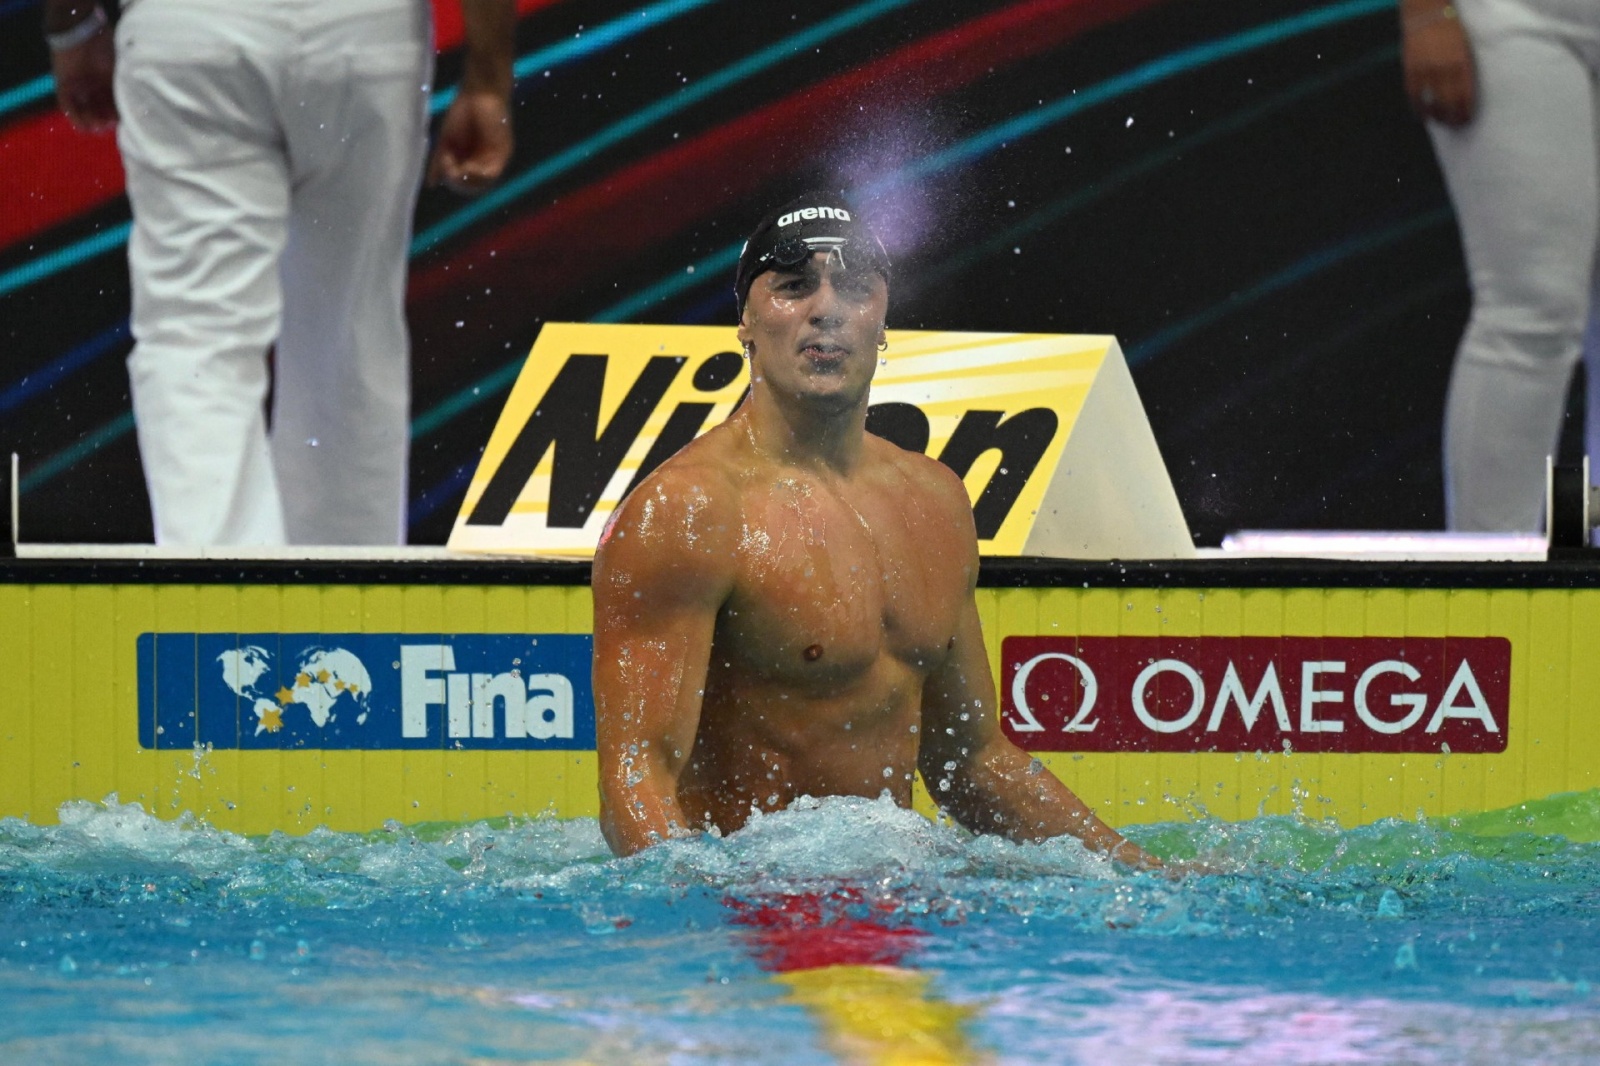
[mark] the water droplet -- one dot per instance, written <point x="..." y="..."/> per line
<point x="258" y="951"/>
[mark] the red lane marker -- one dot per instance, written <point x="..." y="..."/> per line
<point x="806" y="931"/>
<point x="553" y="252"/>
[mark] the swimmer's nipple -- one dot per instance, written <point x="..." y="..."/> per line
<point x="813" y="653"/>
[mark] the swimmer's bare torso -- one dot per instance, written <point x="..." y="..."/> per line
<point x="786" y="607"/>
<point x="842" y="595"/>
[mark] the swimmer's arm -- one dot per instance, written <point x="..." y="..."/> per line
<point x="660" y="577"/>
<point x="984" y="781"/>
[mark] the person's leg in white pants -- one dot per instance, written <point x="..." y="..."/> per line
<point x="342" y="399"/>
<point x="1591" y="366"/>
<point x="1523" y="177"/>
<point x="258" y="137"/>
<point x="210" y="193"/>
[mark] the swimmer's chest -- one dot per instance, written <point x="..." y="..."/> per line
<point x="829" y="583"/>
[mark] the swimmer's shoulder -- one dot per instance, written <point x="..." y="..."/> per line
<point x="666" y="549"/>
<point x="929" y="479"/>
<point x="687" y="504"/>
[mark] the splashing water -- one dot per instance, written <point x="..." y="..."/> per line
<point x="130" y="938"/>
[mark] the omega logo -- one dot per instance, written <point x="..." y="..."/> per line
<point x="1252" y="694"/>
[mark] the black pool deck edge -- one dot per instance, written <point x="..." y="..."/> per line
<point x="1579" y="572"/>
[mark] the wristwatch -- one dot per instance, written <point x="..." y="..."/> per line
<point x="72" y="38"/>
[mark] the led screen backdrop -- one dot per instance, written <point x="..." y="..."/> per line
<point x="1234" y="188"/>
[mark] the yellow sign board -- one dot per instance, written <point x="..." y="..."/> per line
<point x="1044" y="429"/>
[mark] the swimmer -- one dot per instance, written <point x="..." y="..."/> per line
<point x="785" y="608"/>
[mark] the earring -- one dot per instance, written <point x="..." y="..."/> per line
<point x="883" y="345"/>
<point x="747" y="349"/>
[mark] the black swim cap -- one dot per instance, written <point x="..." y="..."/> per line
<point x="813" y="222"/>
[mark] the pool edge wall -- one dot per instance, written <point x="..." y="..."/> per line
<point x="70" y="685"/>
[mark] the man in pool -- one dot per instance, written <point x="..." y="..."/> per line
<point x="785" y="607"/>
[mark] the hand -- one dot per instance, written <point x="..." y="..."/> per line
<point x="1439" y="74"/>
<point x="83" y="83"/>
<point x="1176" y="868"/>
<point x="474" y="142"/>
<point x="1130" y="854"/>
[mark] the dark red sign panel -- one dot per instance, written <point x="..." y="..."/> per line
<point x="1249" y="694"/>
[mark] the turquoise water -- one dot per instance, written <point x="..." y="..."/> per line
<point x="129" y="939"/>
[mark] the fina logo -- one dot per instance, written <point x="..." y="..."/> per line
<point x="806" y="214"/>
<point x="367" y="691"/>
<point x="539" y="707"/>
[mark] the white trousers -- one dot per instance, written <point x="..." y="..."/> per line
<point x="1524" y="176"/>
<point x="273" y="151"/>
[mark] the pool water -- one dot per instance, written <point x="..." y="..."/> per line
<point x="846" y="931"/>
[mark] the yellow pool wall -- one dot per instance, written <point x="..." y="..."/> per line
<point x="68" y="705"/>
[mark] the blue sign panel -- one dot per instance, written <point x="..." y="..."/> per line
<point x="369" y="691"/>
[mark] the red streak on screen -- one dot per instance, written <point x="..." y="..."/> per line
<point x="50" y="172"/>
<point x="601" y="224"/>
<point x="447" y="25"/>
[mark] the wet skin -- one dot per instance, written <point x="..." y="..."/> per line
<point x="785" y="607"/>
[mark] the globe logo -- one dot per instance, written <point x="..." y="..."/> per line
<point x="326" y="683"/>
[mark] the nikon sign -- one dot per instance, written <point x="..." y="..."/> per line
<point x="1045" y="430"/>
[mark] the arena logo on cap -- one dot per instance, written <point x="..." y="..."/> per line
<point x="1254" y="694"/>
<point x="808" y="214"/>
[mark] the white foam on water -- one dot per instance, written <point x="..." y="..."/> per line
<point x="835" y="839"/>
<point x="95" y="835"/>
